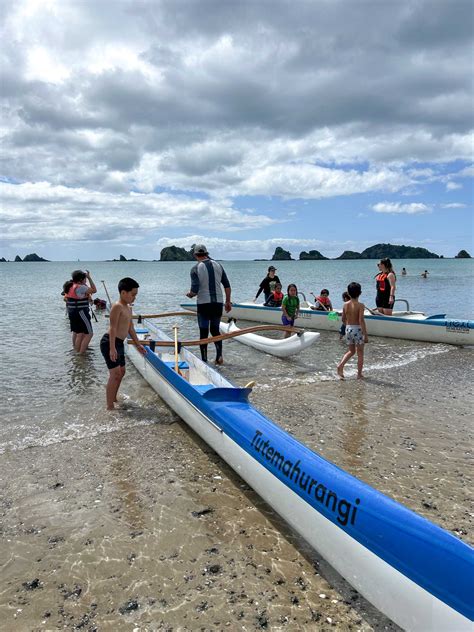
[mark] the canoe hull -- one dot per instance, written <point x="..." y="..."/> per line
<point x="418" y="327"/>
<point x="235" y="430"/>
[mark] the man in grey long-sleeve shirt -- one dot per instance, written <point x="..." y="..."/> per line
<point x="207" y="276"/>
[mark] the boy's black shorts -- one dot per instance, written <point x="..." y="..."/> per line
<point x="105" y="350"/>
<point x="80" y="321"/>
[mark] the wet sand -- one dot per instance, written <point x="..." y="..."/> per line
<point x="146" y="528"/>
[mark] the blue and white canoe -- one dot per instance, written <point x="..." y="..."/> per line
<point x="416" y="573"/>
<point x="406" y="325"/>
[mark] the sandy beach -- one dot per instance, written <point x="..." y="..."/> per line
<point x="147" y="529"/>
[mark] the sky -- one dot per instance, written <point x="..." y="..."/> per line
<point x="131" y="125"/>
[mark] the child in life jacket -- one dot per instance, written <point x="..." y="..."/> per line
<point x="323" y="302"/>
<point x="100" y="304"/>
<point x="276" y="297"/>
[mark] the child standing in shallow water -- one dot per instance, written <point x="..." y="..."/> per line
<point x="290" y="308"/>
<point x="356" y="332"/>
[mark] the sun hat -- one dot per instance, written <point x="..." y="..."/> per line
<point x="200" y="249"/>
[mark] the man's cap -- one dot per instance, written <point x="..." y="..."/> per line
<point x="272" y="268"/>
<point x="200" y="249"/>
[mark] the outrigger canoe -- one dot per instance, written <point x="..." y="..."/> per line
<point x="406" y="325"/>
<point x="416" y="573"/>
<point x="282" y="348"/>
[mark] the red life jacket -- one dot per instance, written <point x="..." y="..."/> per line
<point x="277" y="296"/>
<point x="380" y="278"/>
<point x="324" y="300"/>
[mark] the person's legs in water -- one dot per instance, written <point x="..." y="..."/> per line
<point x="215" y="321"/>
<point x="203" y="322"/>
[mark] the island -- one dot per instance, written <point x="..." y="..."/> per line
<point x="380" y="251"/>
<point x="32" y="257"/>
<point x="175" y="253"/>
<point x="463" y="254"/>
<point x="313" y="255"/>
<point x="281" y="255"/>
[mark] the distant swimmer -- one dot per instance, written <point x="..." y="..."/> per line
<point x="425" y="274"/>
<point x="404" y="271"/>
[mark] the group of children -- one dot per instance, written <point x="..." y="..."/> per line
<point x="353" y="327"/>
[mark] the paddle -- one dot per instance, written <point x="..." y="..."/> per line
<point x="107" y="293"/>
<point x="176" y="351"/>
<point x="140" y="317"/>
<point x="233" y="334"/>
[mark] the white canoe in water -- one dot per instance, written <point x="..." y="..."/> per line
<point x="406" y="325"/>
<point x="282" y="347"/>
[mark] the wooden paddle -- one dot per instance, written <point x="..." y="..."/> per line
<point x="107" y="293"/>
<point x="176" y="352"/>
<point x="140" y="317"/>
<point x="233" y="334"/>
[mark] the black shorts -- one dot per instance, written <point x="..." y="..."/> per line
<point x="383" y="301"/>
<point x="80" y="321"/>
<point x="209" y="313"/>
<point x="105" y="350"/>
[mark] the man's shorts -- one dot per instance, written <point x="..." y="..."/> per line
<point x="105" y="350"/>
<point x="80" y="321"/>
<point x="209" y="313"/>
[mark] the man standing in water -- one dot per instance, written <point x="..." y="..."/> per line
<point x="207" y="276"/>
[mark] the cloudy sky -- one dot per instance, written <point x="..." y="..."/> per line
<point x="129" y="125"/>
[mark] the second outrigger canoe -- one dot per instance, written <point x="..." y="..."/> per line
<point x="281" y="347"/>
<point x="416" y="573"/>
<point x="406" y="325"/>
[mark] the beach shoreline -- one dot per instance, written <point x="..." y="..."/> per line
<point x="147" y="528"/>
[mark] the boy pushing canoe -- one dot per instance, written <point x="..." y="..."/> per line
<point x="112" y="343"/>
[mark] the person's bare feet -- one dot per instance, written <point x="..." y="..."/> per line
<point x="220" y="360"/>
<point x="340" y="372"/>
<point x="360" y="376"/>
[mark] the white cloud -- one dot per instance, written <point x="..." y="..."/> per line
<point x="452" y="186"/>
<point x="59" y="213"/>
<point x="454" y="205"/>
<point x="397" y="207"/>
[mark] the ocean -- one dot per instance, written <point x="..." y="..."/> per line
<point x="405" y="429"/>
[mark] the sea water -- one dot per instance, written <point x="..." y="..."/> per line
<point x="51" y="394"/>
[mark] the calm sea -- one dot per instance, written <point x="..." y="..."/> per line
<point x="49" y="394"/>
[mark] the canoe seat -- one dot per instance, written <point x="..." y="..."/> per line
<point x="202" y="388"/>
<point x="141" y="330"/>
<point x="182" y="366"/>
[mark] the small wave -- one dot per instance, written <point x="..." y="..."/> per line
<point x="73" y="432"/>
<point x="395" y="360"/>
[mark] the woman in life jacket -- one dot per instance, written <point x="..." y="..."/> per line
<point x="77" y="293"/>
<point x="323" y="302"/>
<point x="385" y="282"/>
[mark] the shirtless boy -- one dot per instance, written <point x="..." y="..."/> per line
<point x="356" y="332"/>
<point x="112" y="343"/>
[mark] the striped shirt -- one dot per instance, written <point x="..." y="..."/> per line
<point x="206" y="279"/>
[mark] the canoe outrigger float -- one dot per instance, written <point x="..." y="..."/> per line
<point x="282" y="348"/>
<point x="402" y="324"/>
<point x="416" y="573"/>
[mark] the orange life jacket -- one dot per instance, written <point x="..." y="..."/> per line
<point x="380" y="278"/>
